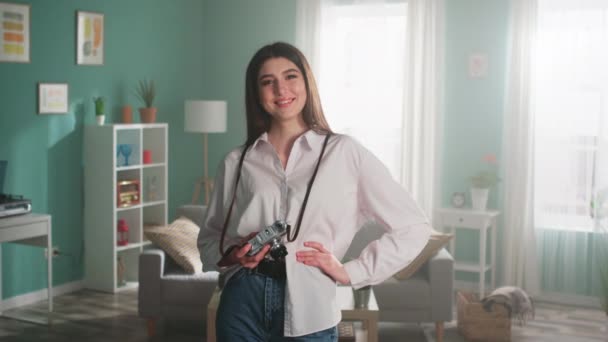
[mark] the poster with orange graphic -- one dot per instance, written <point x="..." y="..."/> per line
<point x="89" y="38"/>
<point x="14" y="33"/>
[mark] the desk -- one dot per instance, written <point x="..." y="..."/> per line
<point x="452" y="218"/>
<point x="34" y="230"/>
<point x="344" y="296"/>
<point x="368" y="316"/>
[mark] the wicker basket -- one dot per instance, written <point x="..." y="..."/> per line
<point x="477" y="325"/>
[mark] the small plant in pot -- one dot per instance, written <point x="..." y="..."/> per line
<point x="100" y="111"/>
<point x="146" y="91"/>
<point x="482" y="181"/>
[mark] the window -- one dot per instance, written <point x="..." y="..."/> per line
<point x="571" y="111"/>
<point x="361" y="74"/>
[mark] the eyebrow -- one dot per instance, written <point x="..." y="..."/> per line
<point x="284" y="72"/>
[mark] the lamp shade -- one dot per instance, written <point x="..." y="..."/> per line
<point x="205" y="116"/>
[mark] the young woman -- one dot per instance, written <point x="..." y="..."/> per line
<point x="294" y="169"/>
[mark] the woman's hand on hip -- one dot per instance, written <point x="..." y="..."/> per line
<point x="324" y="260"/>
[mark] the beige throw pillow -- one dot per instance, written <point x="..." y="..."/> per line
<point x="436" y="242"/>
<point x="179" y="241"/>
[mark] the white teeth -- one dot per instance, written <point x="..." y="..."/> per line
<point x="283" y="102"/>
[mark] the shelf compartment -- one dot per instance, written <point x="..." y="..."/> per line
<point x="127" y="266"/>
<point x="128" y="188"/>
<point x="153" y="184"/>
<point x="131" y="139"/>
<point x="154" y="140"/>
<point x="133" y="220"/>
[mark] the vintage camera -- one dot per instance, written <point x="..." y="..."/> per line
<point x="270" y="235"/>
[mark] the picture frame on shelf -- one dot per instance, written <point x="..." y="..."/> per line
<point x="14" y="32"/>
<point x="53" y="98"/>
<point x="89" y="38"/>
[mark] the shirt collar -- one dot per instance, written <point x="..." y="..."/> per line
<point x="310" y="140"/>
<point x="262" y="137"/>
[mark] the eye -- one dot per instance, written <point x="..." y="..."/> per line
<point x="266" y="82"/>
<point x="292" y="76"/>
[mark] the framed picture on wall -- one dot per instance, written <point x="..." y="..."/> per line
<point x="89" y="38"/>
<point x="14" y="33"/>
<point x="52" y="98"/>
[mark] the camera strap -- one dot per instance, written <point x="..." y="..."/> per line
<point x="300" y="216"/>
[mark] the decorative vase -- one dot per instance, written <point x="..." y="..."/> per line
<point x="127" y="114"/>
<point x="479" y="198"/>
<point x="147" y="115"/>
<point x="100" y="119"/>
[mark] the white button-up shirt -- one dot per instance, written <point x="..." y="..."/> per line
<point x="352" y="186"/>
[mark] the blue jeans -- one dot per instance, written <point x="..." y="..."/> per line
<point x="251" y="309"/>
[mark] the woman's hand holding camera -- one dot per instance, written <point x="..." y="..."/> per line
<point x="237" y="254"/>
<point x="324" y="260"/>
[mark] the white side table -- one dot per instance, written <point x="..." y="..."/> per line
<point x="452" y="218"/>
<point x="34" y="230"/>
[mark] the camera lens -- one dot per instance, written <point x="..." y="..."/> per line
<point x="278" y="252"/>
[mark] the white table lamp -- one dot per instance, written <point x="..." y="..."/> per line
<point x="204" y="117"/>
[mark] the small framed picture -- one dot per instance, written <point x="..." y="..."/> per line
<point x="52" y="98"/>
<point x="89" y="38"/>
<point x="14" y="33"/>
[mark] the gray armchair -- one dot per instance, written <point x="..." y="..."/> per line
<point x="166" y="291"/>
<point x="424" y="297"/>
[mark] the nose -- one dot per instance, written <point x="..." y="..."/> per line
<point x="279" y="87"/>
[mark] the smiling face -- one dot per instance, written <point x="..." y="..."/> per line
<point x="282" y="90"/>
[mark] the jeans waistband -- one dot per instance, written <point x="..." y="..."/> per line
<point x="271" y="268"/>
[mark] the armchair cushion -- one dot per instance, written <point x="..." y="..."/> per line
<point x="178" y="240"/>
<point x="436" y="242"/>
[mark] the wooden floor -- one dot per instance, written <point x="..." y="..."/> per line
<point x="91" y="316"/>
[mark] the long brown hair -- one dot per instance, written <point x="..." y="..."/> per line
<point x="258" y="121"/>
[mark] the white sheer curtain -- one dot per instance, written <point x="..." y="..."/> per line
<point x="572" y="94"/>
<point x="571" y="140"/>
<point x="308" y="30"/>
<point x="520" y="261"/>
<point x="376" y="65"/>
<point x="555" y="144"/>
<point x="421" y="123"/>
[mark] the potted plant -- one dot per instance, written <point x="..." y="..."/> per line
<point x="100" y="111"/>
<point x="146" y="91"/>
<point x="482" y="181"/>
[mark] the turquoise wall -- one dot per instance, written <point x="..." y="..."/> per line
<point x="473" y="107"/>
<point x="233" y="30"/>
<point x="193" y="49"/>
<point x="154" y="39"/>
<point x="200" y="49"/>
